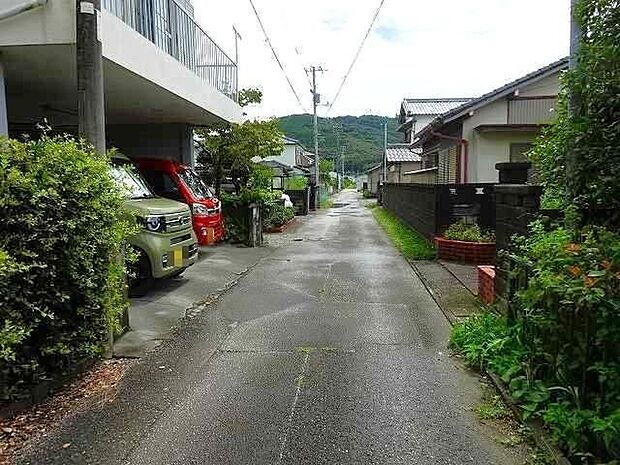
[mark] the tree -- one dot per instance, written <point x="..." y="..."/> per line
<point x="326" y="166"/>
<point x="228" y="150"/>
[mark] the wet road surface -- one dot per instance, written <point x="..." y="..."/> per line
<point x="330" y="351"/>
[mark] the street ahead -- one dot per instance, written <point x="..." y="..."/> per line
<point x="329" y="351"/>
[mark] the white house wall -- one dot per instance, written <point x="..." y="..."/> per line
<point x="545" y="87"/>
<point x="488" y="148"/>
<point x="287" y="157"/>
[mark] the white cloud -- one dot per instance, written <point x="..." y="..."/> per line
<point x="419" y="48"/>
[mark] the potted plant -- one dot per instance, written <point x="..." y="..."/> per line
<point x="467" y="243"/>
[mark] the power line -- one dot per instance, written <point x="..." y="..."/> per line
<point x="275" y="55"/>
<point x="359" y="50"/>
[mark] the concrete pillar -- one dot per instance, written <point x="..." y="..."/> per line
<point x="4" y="119"/>
<point x="89" y="64"/>
<point x="186" y="134"/>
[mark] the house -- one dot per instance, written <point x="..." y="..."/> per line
<point x="375" y="178"/>
<point x="400" y="159"/>
<point x="294" y="161"/>
<point x="416" y="113"/>
<point x="162" y="74"/>
<point x="463" y="144"/>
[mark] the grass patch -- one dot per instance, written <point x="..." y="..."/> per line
<point x="408" y="241"/>
<point x="492" y="408"/>
<point x="326" y="203"/>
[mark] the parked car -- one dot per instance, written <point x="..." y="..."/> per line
<point x="176" y="181"/>
<point x="166" y="244"/>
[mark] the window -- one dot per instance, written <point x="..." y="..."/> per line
<point x="163" y="184"/>
<point x="430" y="160"/>
<point x="519" y="150"/>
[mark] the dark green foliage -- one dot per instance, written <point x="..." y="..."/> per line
<point x="296" y="183"/>
<point x="462" y="231"/>
<point x="362" y="135"/>
<point x="558" y="351"/>
<point x="61" y="278"/>
<point x="276" y="214"/>
<point x="592" y="133"/>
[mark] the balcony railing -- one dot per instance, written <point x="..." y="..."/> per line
<point x="173" y="30"/>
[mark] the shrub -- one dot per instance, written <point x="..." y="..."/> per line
<point x="558" y="351"/>
<point x="462" y="231"/>
<point x="296" y="183"/>
<point x="61" y="278"/>
<point x="592" y="132"/>
<point x="277" y="215"/>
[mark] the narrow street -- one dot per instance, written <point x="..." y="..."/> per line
<point x="328" y="351"/>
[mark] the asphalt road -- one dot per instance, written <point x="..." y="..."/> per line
<point x="329" y="351"/>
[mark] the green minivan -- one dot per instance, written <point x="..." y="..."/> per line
<point x="166" y="244"/>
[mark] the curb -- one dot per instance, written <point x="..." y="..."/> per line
<point x="539" y="434"/>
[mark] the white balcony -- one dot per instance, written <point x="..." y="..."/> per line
<point x="159" y="66"/>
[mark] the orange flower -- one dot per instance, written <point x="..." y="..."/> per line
<point x="575" y="270"/>
<point x="589" y="282"/>
<point x="572" y="247"/>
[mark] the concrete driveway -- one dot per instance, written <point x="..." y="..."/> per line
<point x="330" y="350"/>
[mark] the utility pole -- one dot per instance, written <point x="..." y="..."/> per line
<point x="316" y="99"/>
<point x="237" y="38"/>
<point x="384" y="152"/>
<point x="342" y="152"/>
<point x="574" y="103"/>
<point x="89" y="66"/>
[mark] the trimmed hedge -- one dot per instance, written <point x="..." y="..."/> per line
<point x="62" y="280"/>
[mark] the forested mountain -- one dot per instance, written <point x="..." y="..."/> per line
<point x="361" y="135"/>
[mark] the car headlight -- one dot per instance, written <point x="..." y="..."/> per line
<point x="199" y="210"/>
<point x="155" y="223"/>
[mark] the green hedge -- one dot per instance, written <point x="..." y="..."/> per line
<point x="62" y="281"/>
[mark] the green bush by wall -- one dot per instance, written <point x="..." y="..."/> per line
<point x="62" y="280"/>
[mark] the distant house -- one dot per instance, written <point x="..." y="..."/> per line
<point x="294" y="160"/>
<point x="416" y="113"/>
<point x="375" y="177"/>
<point x="291" y="153"/>
<point x="400" y="159"/>
<point x="464" y="144"/>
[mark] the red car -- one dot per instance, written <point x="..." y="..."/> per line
<point x="172" y="180"/>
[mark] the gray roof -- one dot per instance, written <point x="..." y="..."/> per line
<point x="495" y="94"/>
<point x="397" y="153"/>
<point x="431" y="106"/>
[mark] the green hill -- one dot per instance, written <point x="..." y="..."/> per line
<point x="361" y="135"/>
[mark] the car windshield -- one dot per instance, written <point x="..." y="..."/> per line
<point x="195" y="184"/>
<point x="127" y="177"/>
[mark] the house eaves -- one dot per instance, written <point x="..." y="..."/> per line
<point x="496" y="94"/>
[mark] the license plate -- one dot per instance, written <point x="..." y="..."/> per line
<point x="178" y="257"/>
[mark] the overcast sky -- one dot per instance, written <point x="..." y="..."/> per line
<point x="418" y="48"/>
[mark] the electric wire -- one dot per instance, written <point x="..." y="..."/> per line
<point x="357" y="54"/>
<point x="275" y="55"/>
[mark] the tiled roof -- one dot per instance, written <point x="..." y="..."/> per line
<point x="401" y="152"/>
<point x="431" y="106"/>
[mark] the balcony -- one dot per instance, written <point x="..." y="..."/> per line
<point x="173" y="30"/>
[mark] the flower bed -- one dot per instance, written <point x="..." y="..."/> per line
<point x="478" y="253"/>
<point x="281" y="228"/>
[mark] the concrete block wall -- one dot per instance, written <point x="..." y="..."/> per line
<point x="517" y="205"/>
